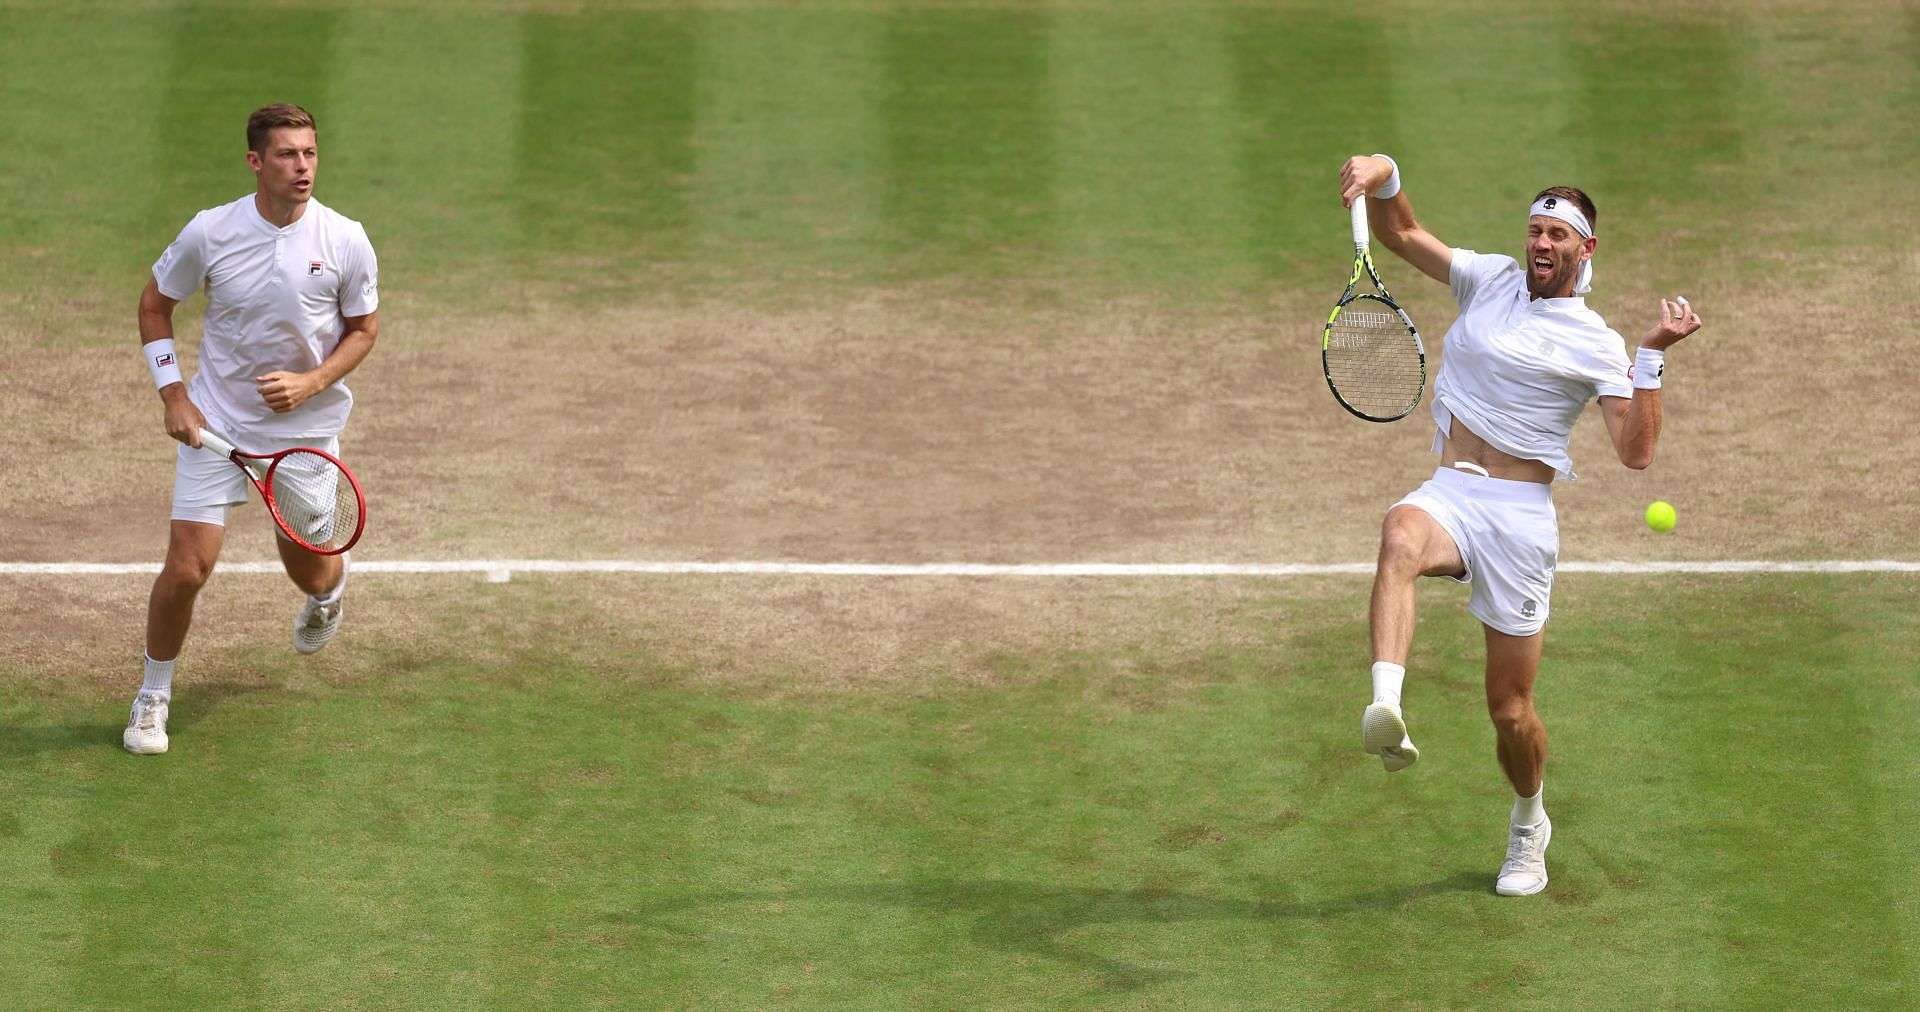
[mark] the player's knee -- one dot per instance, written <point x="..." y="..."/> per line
<point x="1511" y="714"/>
<point x="1401" y="549"/>
<point x="186" y="572"/>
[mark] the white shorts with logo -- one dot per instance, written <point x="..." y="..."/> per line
<point x="206" y="485"/>
<point x="1509" y="537"/>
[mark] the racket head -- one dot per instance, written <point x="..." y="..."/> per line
<point x="315" y="500"/>
<point x="1373" y="358"/>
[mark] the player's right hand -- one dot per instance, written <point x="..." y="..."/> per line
<point x="183" y="420"/>
<point x="1362" y="174"/>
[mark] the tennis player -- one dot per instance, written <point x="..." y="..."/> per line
<point x="1520" y="365"/>
<point x="292" y="288"/>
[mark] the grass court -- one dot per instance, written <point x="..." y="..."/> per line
<point x="945" y="281"/>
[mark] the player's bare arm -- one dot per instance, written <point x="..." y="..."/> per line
<point x="182" y="419"/>
<point x="1392" y="218"/>
<point x="284" y="390"/>
<point x="1634" y="423"/>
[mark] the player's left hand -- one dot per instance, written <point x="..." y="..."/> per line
<point x="1677" y="320"/>
<point x="283" y="391"/>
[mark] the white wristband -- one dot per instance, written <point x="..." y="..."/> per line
<point x="1648" y="367"/>
<point x="162" y="362"/>
<point x="1392" y="186"/>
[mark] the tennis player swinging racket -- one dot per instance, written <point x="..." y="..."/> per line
<point x="1522" y="362"/>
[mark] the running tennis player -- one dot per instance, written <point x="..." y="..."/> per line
<point x="292" y="288"/>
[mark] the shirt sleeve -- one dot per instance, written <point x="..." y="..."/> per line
<point x="183" y="267"/>
<point x="360" y="282"/>
<point x="1609" y="369"/>
<point x="1467" y="270"/>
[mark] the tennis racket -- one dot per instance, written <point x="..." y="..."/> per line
<point x="314" y="499"/>
<point x="1370" y="351"/>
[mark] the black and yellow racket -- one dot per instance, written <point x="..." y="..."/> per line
<point x="1372" y="355"/>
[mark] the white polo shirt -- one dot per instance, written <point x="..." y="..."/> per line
<point x="277" y="298"/>
<point x="1519" y="371"/>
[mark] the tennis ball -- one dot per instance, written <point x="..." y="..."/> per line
<point x="1660" y="516"/>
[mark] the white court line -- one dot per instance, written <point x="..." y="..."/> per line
<point x="501" y="569"/>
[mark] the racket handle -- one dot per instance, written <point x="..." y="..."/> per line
<point x="1360" y="221"/>
<point x="211" y="440"/>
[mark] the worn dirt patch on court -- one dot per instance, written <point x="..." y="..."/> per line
<point x="911" y="427"/>
<point x="916" y="426"/>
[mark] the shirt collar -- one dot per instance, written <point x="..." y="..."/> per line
<point x="1562" y="305"/>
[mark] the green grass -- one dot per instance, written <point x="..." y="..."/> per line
<point x="607" y="153"/>
<point x="557" y="812"/>
<point x="558" y="817"/>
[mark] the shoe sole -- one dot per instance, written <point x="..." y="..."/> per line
<point x="302" y="648"/>
<point x="1543" y="877"/>
<point x="141" y="750"/>
<point x="1384" y="734"/>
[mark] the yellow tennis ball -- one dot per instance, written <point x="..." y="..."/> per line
<point x="1660" y="516"/>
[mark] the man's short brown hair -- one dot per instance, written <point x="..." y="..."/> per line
<point x="268" y="117"/>
<point x="1579" y="198"/>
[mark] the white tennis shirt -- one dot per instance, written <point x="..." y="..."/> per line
<point x="1519" y="371"/>
<point x="277" y="298"/>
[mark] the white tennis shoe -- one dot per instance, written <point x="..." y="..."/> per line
<point x="146" y="732"/>
<point x="318" y="620"/>
<point x="316" y="625"/>
<point x="1525" y="870"/>
<point x="1384" y="733"/>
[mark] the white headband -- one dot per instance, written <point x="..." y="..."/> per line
<point x="1569" y="212"/>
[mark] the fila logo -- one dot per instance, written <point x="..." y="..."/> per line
<point x="163" y="359"/>
<point x="1552" y="202"/>
<point x="315" y="268"/>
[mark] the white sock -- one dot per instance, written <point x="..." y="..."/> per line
<point x="1387" y="677"/>
<point x="338" y="589"/>
<point x="1530" y="811"/>
<point x="159" y="677"/>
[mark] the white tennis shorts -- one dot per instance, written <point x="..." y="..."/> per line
<point x="206" y="485"/>
<point x="1509" y="537"/>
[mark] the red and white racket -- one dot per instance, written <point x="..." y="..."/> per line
<point x="314" y="499"/>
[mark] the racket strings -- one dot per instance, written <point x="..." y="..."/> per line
<point x="1373" y="361"/>
<point x="314" y="499"/>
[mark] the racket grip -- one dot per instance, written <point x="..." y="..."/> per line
<point x="1360" y="221"/>
<point x="211" y="440"/>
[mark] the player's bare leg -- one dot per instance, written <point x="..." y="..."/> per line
<point x="312" y="572"/>
<point x="1512" y="664"/>
<point x="1412" y="545"/>
<point x="324" y="578"/>
<point x="1521" y="743"/>
<point x="192" y="550"/>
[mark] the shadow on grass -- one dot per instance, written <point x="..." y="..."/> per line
<point x="191" y="706"/>
<point x="1030" y="919"/>
<point x="21" y="742"/>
